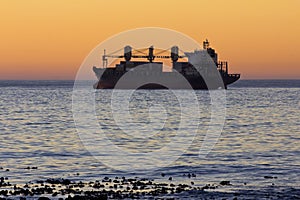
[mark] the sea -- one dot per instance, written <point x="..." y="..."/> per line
<point x="256" y="146"/>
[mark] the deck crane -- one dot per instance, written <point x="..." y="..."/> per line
<point x="150" y="56"/>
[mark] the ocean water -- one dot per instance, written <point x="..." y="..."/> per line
<point x="260" y="137"/>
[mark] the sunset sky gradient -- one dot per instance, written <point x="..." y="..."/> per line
<point x="50" y="39"/>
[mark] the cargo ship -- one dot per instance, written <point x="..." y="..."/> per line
<point x="196" y="70"/>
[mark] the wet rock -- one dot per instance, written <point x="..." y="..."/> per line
<point x="116" y="181"/>
<point x="58" y="181"/>
<point x="54" y="194"/>
<point x="225" y="183"/>
<point x="44" y="198"/>
<point x="40" y="181"/>
<point x="130" y="180"/>
<point x="208" y="186"/>
<point x="4" y="192"/>
<point x="135" y="188"/>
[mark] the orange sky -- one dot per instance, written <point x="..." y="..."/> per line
<point x="50" y="39"/>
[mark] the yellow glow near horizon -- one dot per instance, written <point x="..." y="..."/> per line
<point x="50" y="39"/>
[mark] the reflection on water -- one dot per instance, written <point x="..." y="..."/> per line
<point x="261" y="135"/>
<point x="152" y="122"/>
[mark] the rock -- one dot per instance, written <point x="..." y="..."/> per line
<point x="59" y="181"/>
<point x="44" y="198"/>
<point x="225" y="183"/>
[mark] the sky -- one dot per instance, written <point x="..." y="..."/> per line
<point x="50" y="39"/>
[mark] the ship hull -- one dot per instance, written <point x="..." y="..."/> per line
<point x="165" y="82"/>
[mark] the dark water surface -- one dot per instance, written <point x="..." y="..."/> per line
<point x="260" y="138"/>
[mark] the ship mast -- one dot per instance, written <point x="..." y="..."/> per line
<point x="206" y="44"/>
<point x="104" y="59"/>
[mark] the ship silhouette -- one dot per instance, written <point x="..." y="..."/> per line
<point x="202" y="70"/>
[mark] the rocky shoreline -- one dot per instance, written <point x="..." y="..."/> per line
<point x="128" y="188"/>
<point x="136" y="188"/>
<point x="107" y="188"/>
